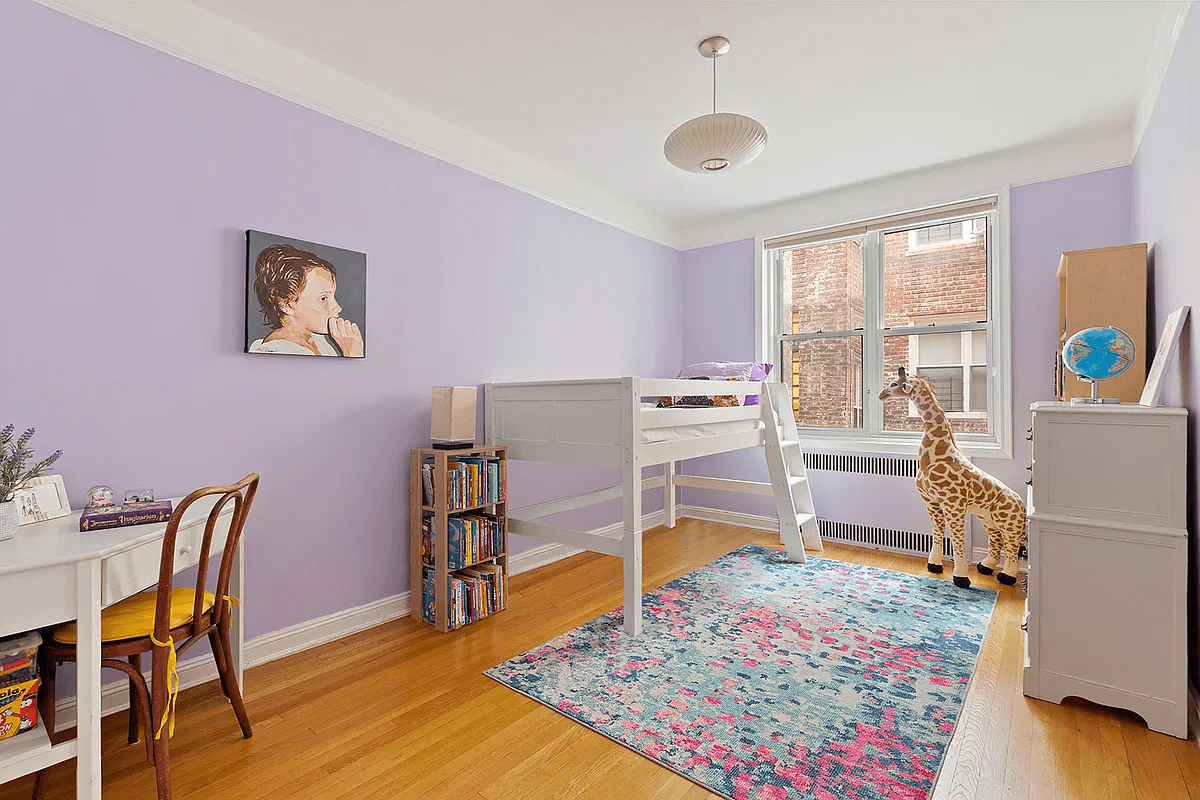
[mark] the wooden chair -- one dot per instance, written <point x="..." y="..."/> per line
<point x="164" y="622"/>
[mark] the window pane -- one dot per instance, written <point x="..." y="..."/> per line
<point x="822" y="287"/>
<point x="925" y="284"/>
<point x="949" y="382"/>
<point x="940" y="348"/>
<point x="825" y="376"/>
<point x="979" y="395"/>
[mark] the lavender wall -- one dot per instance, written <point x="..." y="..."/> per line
<point x="129" y="179"/>
<point x="1091" y="210"/>
<point x="1166" y="214"/>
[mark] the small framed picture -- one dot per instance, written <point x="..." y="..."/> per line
<point x="41" y="499"/>
<point x="1163" y="355"/>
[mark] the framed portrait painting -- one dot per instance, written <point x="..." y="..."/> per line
<point x="304" y="299"/>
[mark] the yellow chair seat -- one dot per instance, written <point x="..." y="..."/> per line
<point x="133" y="617"/>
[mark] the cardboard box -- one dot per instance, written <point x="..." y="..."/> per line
<point x="18" y="708"/>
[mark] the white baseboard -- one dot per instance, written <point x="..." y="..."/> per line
<point x="314" y="632"/>
<point x="754" y="521"/>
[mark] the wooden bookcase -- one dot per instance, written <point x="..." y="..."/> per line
<point x="439" y="515"/>
<point x="1104" y="286"/>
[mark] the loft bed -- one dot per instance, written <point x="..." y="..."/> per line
<point x="605" y="423"/>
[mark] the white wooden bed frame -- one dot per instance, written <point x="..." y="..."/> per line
<point x="600" y="422"/>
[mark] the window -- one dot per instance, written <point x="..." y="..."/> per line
<point x="849" y="306"/>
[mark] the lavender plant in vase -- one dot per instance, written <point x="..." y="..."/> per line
<point x="14" y="474"/>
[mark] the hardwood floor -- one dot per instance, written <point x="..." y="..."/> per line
<point x="401" y="711"/>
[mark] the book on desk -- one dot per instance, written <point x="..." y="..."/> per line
<point x="99" y="517"/>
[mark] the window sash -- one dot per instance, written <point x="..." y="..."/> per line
<point x="872" y="234"/>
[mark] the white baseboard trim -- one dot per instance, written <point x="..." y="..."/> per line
<point x="278" y="644"/>
<point x="754" y="521"/>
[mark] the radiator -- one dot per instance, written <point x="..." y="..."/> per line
<point x="870" y="501"/>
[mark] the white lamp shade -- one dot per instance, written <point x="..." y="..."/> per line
<point x="453" y="414"/>
<point x="715" y="138"/>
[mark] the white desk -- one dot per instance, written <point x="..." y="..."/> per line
<point x="52" y="573"/>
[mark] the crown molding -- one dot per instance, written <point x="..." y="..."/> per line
<point x="1170" y="26"/>
<point x="1074" y="153"/>
<point x="193" y="34"/>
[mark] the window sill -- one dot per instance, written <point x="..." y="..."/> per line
<point x="892" y="445"/>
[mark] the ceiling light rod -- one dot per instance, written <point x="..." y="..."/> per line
<point x="713" y="47"/>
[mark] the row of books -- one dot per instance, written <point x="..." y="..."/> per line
<point x="470" y="539"/>
<point x="470" y="482"/>
<point x="473" y="593"/>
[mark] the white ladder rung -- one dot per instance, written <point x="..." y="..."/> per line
<point x="796" y="480"/>
<point x="803" y="519"/>
<point x="788" y="444"/>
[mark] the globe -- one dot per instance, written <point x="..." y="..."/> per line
<point x="1098" y="353"/>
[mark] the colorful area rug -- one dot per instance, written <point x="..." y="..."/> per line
<point x="763" y="680"/>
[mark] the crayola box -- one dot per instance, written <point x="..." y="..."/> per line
<point x="18" y="708"/>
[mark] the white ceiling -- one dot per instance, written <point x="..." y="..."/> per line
<point x="871" y="103"/>
<point x="848" y="92"/>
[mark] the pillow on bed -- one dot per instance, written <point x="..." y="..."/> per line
<point x="758" y="373"/>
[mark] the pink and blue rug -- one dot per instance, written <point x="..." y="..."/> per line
<point x="764" y="680"/>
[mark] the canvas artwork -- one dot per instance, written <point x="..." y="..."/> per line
<point x="303" y="298"/>
<point x="1162" y="357"/>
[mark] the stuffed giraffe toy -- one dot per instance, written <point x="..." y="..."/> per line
<point x="953" y="487"/>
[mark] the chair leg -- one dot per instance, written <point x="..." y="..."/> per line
<point x="46" y="700"/>
<point x="158" y="700"/>
<point x="214" y="643"/>
<point x="39" y="784"/>
<point x="135" y="661"/>
<point x="229" y="679"/>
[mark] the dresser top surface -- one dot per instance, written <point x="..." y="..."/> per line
<point x="1051" y="406"/>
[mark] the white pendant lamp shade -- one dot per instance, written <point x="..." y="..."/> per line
<point x="715" y="142"/>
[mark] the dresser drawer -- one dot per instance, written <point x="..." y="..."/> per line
<point x="136" y="569"/>
<point x="1126" y="466"/>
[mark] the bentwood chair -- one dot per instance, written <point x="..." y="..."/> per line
<point x="164" y="622"/>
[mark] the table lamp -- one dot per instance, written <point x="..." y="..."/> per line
<point x="452" y="421"/>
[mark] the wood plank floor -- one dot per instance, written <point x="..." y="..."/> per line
<point x="401" y="711"/>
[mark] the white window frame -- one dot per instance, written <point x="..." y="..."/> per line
<point x="872" y="438"/>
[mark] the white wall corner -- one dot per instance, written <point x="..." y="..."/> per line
<point x="1170" y="25"/>
<point x="191" y="33"/>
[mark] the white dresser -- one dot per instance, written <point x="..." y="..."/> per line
<point x="1107" y="608"/>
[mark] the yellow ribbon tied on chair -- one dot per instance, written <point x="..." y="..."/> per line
<point x="168" y="718"/>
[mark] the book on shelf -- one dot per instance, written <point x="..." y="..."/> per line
<point x="475" y="481"/>
<point x="100" y="517"/>
<point x="472" y="594"/>
<point x="427" y="484"/>
<point x="470" y="539"/>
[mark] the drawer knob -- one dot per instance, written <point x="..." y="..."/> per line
<point x="185" y="550"/>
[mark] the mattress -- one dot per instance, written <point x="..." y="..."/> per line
<point x="666" y="425"/>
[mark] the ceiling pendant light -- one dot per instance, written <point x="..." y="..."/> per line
<point x="715" y="142"/>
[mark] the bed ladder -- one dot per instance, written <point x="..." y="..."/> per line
<point x="789" y="478"/>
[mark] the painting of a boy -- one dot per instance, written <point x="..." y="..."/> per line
<point x="304" y="299"/>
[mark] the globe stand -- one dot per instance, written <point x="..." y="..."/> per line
<point x="1095" y="398"/>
